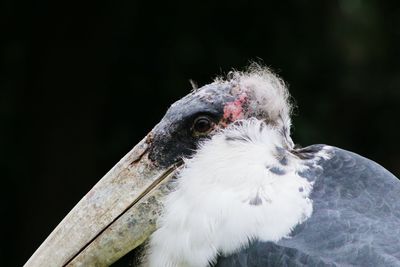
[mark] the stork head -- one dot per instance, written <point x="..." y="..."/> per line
<point x="256" y="93"/>
<point x="121" y="210"/>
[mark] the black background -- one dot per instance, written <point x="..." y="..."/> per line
<point x="82" y="82"/>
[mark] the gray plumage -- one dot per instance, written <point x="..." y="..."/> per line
<point x="355" y="220"/>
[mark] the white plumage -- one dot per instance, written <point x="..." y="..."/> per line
<point x="227" y="196"/>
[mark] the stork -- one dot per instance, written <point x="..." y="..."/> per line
<point x="219" y="182"/>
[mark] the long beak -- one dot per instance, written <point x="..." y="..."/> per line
<point x="114" y="217"/>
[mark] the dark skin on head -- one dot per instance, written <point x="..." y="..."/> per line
<point x="177" y="134"/>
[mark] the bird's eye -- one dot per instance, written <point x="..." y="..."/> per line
<point x="202" y="126"/>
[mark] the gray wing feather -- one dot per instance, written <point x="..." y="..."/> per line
<point x="355" y="220"/>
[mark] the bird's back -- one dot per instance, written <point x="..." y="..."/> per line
<point x="355" y="220"/>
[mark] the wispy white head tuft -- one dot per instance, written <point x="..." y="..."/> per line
<point x="268" y="96"/>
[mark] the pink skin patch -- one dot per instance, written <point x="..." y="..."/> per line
<point x="234" y="110"/>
